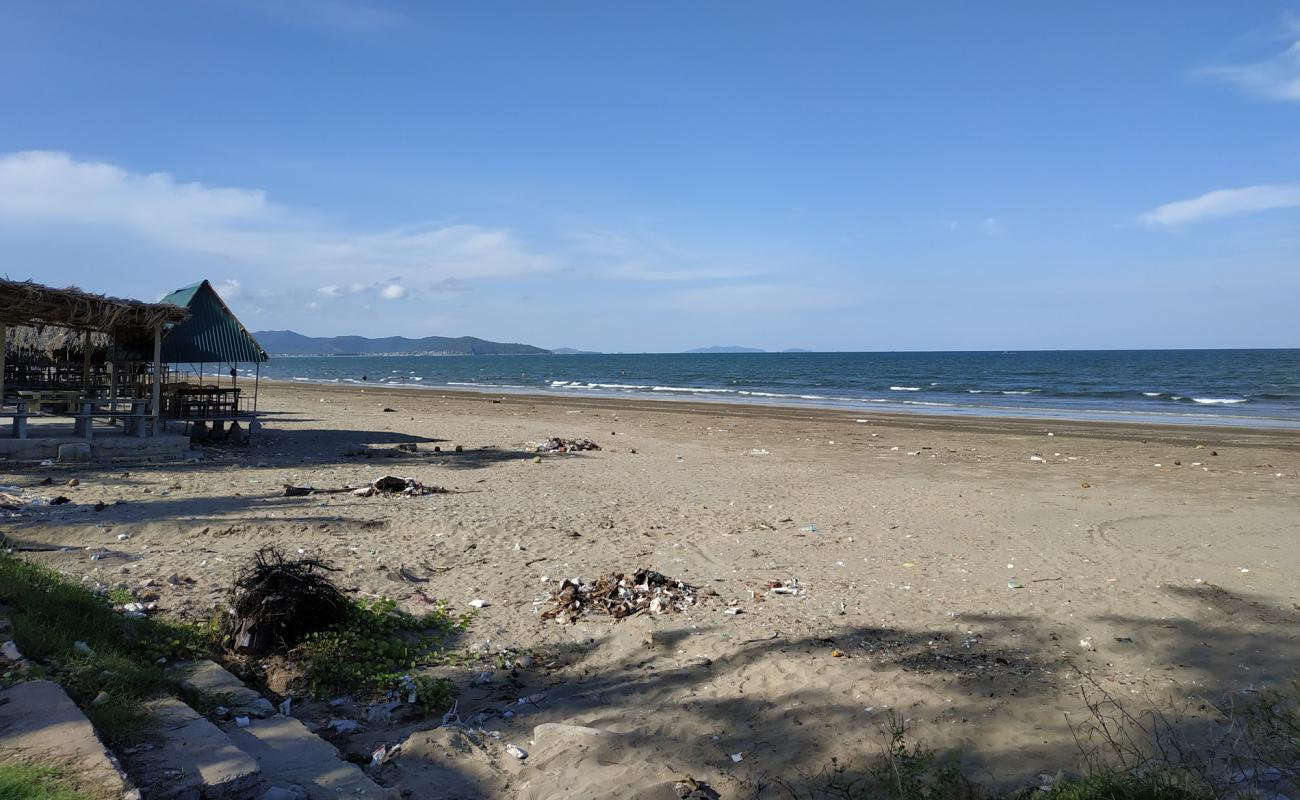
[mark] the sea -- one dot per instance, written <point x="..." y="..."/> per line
<point x="1226" y="387"/>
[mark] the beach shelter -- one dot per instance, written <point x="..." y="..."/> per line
<point x="211" y="335"/>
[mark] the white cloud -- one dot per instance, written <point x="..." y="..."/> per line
<point x="229" y="289"/>
<point x="243" y="227"/>
<point x="393" y="291"/>
<point x="757" y="298"/>
<point x="1223" y="203"/>
<point x="328" y="291"/>
<point x="1276" y="77"/>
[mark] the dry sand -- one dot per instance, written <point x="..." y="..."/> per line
<point x="1160" y="562"/>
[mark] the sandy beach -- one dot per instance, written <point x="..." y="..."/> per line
<point x="969" y="574"/>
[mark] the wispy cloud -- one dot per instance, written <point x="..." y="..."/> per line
<point x="244" y="227"/>
<point x="644" y="256"/>
<point x="1275" y="76"/>
<point x="757" y="298"/>
<point x="1223" y="203"/>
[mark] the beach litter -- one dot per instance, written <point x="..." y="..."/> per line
<point x="517" y="752"/>
<point x="387" y="484"/>
<point x="557" y="445"/>
<point x="621" y="595"/>
<point x="790" y="587"/>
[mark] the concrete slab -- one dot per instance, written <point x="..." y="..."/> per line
<point x="39" y="724"/>
<point x="193" y="760"/>
<point x="104" y="447"/>
<point x="212" y="679"/>
<point x="291" y="755"/>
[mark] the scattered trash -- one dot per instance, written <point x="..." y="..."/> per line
<point x="382" y="755"/>
<point x="242" y="722"/>
<point x="392" y="484"/>
<point x="791" y="587"/>
<point x="1015" y="584"/>
<point x="82" y="647"/>
<point x="137" y="610"/>
<point x="1036" y="458"/>
<point x="286" y="706"/>
<point x="734" y="610"/>
<point x="100" y="699"/>
<point x="478" y="603"/>
<point x="621" y="595"/>
<point x="736" y="758"/>
<point x="691" y="789"/>
<point x="388" y="484"/>
<point x="9" y="651"/>
<point x="557" y="445"/>
<point x="809" y="529"/>
<point x="517" y="752"/>
<point x="759" y="451"/>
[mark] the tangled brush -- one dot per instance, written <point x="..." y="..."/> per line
<point x="278" y="601"/>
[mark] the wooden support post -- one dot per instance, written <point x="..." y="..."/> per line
<point x="111" y="363"/>
<point x="156" y="399"/>
<point x="4" y="344"/>
<point x="85" y="364"/>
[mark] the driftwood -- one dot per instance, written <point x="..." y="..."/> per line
<point x="277" y="602"/>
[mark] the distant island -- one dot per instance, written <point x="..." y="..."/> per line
<point x="290" y="343"/>
<point x="569" y="351"/>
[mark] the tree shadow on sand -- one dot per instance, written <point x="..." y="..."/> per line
<point x="763" y="699"/>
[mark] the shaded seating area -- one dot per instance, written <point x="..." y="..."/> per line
<point x="206" y="362"/>
<point x="76" y="365"/>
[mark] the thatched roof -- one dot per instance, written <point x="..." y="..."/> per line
<point x="28" y="303"/>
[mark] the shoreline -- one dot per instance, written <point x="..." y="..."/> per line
<point x="1124" y="430"/>
<point x="928" y="409"/>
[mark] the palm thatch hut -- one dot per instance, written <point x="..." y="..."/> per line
<point x="65" y="339"/>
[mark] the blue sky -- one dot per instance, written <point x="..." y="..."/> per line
<point x="658" y="176"/>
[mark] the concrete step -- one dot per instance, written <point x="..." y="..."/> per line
<point x="39" y="724"/>
<point x="292" y="756"/>
<point x="194" y="760"/>
<point x="213" y="680"/>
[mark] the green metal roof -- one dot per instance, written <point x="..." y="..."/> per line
<point x="211" y="334"/>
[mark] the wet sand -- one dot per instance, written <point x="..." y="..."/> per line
<point x="1159" y="562"/>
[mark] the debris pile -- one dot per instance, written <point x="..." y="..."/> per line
<point x="557" y="445"/>
<point x="621" y="595"/>
<point x="276" y="602"/>
<point x="388" y="484"/>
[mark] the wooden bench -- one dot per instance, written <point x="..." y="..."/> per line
<point x="19" y="415"/>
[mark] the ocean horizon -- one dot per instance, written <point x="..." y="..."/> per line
<point x="1255" y="387"/>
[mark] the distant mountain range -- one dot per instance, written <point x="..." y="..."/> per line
<point x="289" y="343"/>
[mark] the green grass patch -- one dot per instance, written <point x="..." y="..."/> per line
<point x="1121" y="786"/>
<point x="37" y="782"/>
<point x="379" y="649"/>
<point x="124" y="658"/>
